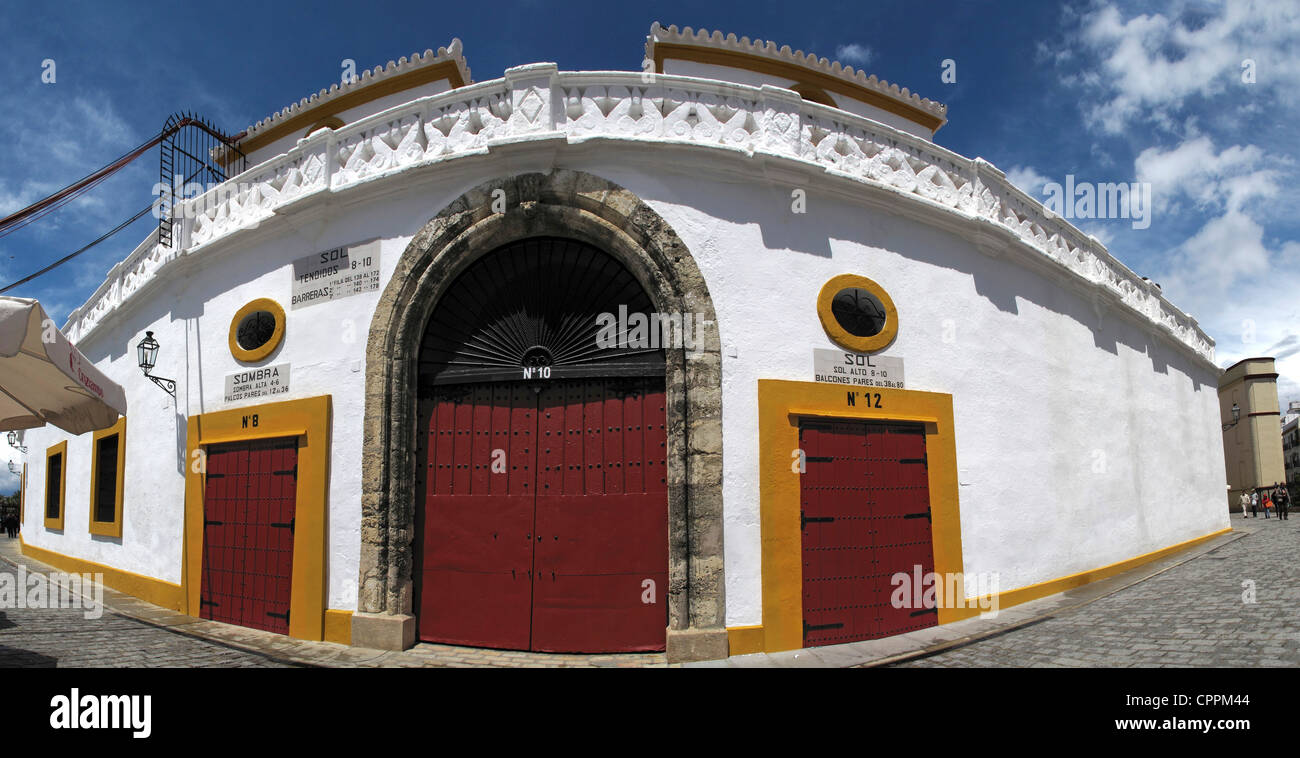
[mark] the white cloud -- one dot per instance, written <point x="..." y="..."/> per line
<point x="855" y="53"/>
<point x="1241" y="290"/>
<point x="1227" y="179"/>
<point x="1028" y="180"/>
<point x="1150" y="64"/>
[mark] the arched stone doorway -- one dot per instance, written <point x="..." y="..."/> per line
<point x="603" y="215"/>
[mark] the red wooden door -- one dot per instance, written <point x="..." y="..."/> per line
<point x="602" y="527"/>
<point x="249" y="501"/>
<point x="865" y="516"/>
<point x="545" y="517"/>
<point x="477" y="556"/>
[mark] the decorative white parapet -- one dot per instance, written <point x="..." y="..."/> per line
<point x="537" y="101"/>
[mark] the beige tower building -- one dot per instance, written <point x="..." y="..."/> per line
<point x="1252" y="443"/>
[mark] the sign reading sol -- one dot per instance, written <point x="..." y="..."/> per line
<point x="856" y="369"/>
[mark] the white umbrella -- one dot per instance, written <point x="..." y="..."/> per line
<point x="44" y="379"/>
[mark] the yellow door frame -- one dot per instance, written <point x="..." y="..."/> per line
<point x="781" y="404"/>
<point x="309" y="420"/>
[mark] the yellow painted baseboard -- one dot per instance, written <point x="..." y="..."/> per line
<point x="156" y="591"/>
<point x="338" y="626"/>
<point x="749" y="639"/>
<point x="1053" y="586"/>
<point x="743" y="640"/>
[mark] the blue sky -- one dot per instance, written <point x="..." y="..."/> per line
<point x="1107" y="92"/>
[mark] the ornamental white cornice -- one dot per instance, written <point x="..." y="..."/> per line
<point x="535" y="110"/>
<point x="453" y="53"/>
<point x="770" y="50"/>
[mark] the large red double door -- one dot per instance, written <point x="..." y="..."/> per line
<point x="249" y="499"/>
<point x="544" y="520"/>
<point x="865" y="524"/>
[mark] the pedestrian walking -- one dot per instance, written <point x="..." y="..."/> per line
<point x="1254" y="504"/>
<point x="1245" y="504"/>
<point x="1268" y="504"/>
<point x="1283" y="504"/>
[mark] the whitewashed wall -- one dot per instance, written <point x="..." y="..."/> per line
<point x="1082" y="439"/>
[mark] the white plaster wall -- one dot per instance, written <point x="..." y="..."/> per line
<point x="1081" y="440"/>
<point x="190" y="316"/>
<point x="755" y="79"/>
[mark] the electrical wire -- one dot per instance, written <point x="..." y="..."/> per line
<point x="72" y="255"/>
<point x="48" y="205"/>
<point x="45" y="206"/>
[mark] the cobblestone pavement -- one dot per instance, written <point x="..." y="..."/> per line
<point x="1192" y="615"/>
<point x="65" y="637"/>
<point x="133" y="633"/>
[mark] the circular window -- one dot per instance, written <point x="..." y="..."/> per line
<point x="256" y="330"/>
<point x="857" y="313"/>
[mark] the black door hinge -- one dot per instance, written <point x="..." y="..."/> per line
<point x="805" y="521"/>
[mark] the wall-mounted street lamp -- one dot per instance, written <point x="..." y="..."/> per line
<point x="13" y="442"/>
<point x="12" y="468"/>
<point x="1236" y="416"/>
<point x="147" y="351"/>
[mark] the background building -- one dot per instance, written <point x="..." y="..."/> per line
<point x="381" y="332"/>
<point x="1291" y="445"/>
<point x="1251" y="445"/>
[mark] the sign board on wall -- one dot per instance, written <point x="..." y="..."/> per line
<point x="264" y="381"/>
<point x="855" y="369"/>
<point x="335" y="274"/>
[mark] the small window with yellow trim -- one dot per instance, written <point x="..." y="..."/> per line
<point x="56" y="481"/>
<point x="857" y="313"/>
<point x="107" y="475"/>
<point x="256" y="330"/>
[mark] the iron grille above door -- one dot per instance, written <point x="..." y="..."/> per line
<point x="533" y="309"/>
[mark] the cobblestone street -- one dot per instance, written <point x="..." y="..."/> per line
<point x="64" y="638"/>
<point x="133" y="633"/>
<point x="1191" y="615"/>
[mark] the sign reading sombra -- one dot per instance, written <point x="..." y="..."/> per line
<point x="841" y="367"/>
<point x="264" y="381"/>
<point x="335" y="274"/>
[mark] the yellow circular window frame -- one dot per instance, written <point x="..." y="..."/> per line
<point x="839" y="334"/>
<point x="259" y="353"/>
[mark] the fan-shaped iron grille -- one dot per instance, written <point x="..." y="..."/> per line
<point x="534" y="309"/>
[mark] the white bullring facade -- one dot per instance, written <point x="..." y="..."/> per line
<point x="1057" y="419"/>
